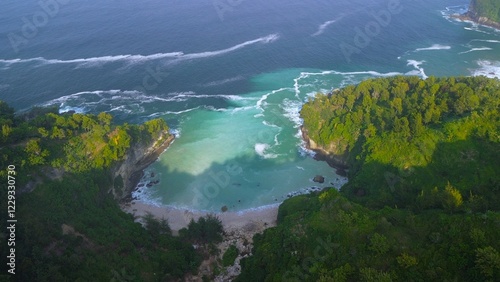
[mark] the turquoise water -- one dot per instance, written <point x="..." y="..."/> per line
<point x="229" y="82"/>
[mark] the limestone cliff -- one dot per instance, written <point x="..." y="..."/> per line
<point x="127" y="173"/>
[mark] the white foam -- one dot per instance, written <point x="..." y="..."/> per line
<point x="261" y="148"/>
<point x="172" y="112"/>
<point x="476" y="49"/>
<point x="489" y="41"/>
<point x="65" y="109"/>
<point x="266" y="39"/>
<point x="240" y="109"/>
<point x="224" y="81"/>
<point x="323" y="26"/>
<point x="416" y="65"/>
<point x="261" y="208"/>
<point x="93" y="61"/>
<point x="475" y="28"/>
<point x="190" y="95"/>
<point x="292" y="111"/>
<point x="434" y="47"/>
<point x="108" y="95"/>
<point x="276" y="141"/>
<point x="488" y="69"/>
<point x="270" y="124"/>
<point x="262" y="101"/>
<point x="175" y="131"/>
<point x="303" y="151"/>
<point x="214" y="109"/>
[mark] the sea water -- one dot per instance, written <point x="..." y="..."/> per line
<point x="229" y="77"/>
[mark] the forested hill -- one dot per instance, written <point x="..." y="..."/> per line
<point x="485" y="12"/>
<point x="69" y="225"/>
<point x="423" y="197"/>
<point x="441" y="129"/>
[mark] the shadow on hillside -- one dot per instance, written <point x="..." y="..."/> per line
<point x="470" y="165"/>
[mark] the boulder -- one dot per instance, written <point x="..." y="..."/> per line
<point x="319" y="179"/>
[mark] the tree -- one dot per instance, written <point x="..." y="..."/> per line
<point x="406" y="261"/>
<point x="379" y="244"/>
<point x="6" y="111"/>
<point x="36" y="156"/>
<point x="452" y="199"/>
<point x="6" y="130"/>
<point x="155" y="226"/>
<point x="488" y="261"/>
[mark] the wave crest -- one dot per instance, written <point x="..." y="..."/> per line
<point x="97" y="61"/>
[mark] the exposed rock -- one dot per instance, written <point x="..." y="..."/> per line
<point x="224" y="209"/>
<point x="473" y="15"/>
<point x="323" y="154"/>
<point x="138" y="157"/>
<point x="319" y="179"/>
<point x="340" y="171"/>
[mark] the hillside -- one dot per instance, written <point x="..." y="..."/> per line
<point x="422" y="202"/>
<point x="486" y="12"/>
<point x="67" y="173"/>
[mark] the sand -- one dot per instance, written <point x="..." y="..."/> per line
<point x="249" y="221"/>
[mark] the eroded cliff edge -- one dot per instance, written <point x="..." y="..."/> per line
<point x="483" y="12"/>
<point x="339" y="162"/>
<point x="128" y="172"/>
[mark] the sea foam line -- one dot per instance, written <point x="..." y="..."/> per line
<point x="416" y="65"/>
<point x="142" y="58"/>
<point x="434" y="47"/>
<point x="476" y="49"/>
<point x="486" y="40"/>
<point x="224" y="81"/>
<point x="262" y="101"/>
<point x="323" y="26"/>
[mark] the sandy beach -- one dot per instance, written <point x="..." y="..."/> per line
<point x="250" y="221"/>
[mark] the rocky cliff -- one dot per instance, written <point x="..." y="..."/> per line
<point x="484" y="12"/>
<point x="127" y="173"/>
<point x="338" y="162"/>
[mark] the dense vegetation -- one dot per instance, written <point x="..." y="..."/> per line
<point x="70" y="228"/>
<point x="72" y="142"/>
<point x="410" y="141"/>
<point x="326" y="237"/>
<point x="423" y="194"/>
<point x="487" y="8"/>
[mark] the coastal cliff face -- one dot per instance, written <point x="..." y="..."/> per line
<point x="326" y="154"/>
<point x="485" y="12"/>
<point x="127" y="173"/>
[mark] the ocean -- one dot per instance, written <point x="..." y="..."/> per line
<point x="229" y="77"/>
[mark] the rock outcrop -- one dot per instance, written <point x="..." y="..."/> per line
<point x="319" y="179"/>
<point x="477" y="15"/>
<point x="338" y="162"/>
<point x="127" y="173"/>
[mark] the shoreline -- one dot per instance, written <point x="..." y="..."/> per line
<point x="467" y="17"/>
<point x="138" y="171"/>
<point x="246" y="222"/>
<point x="339" y="163"/>
<point x="250" y="221"/>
